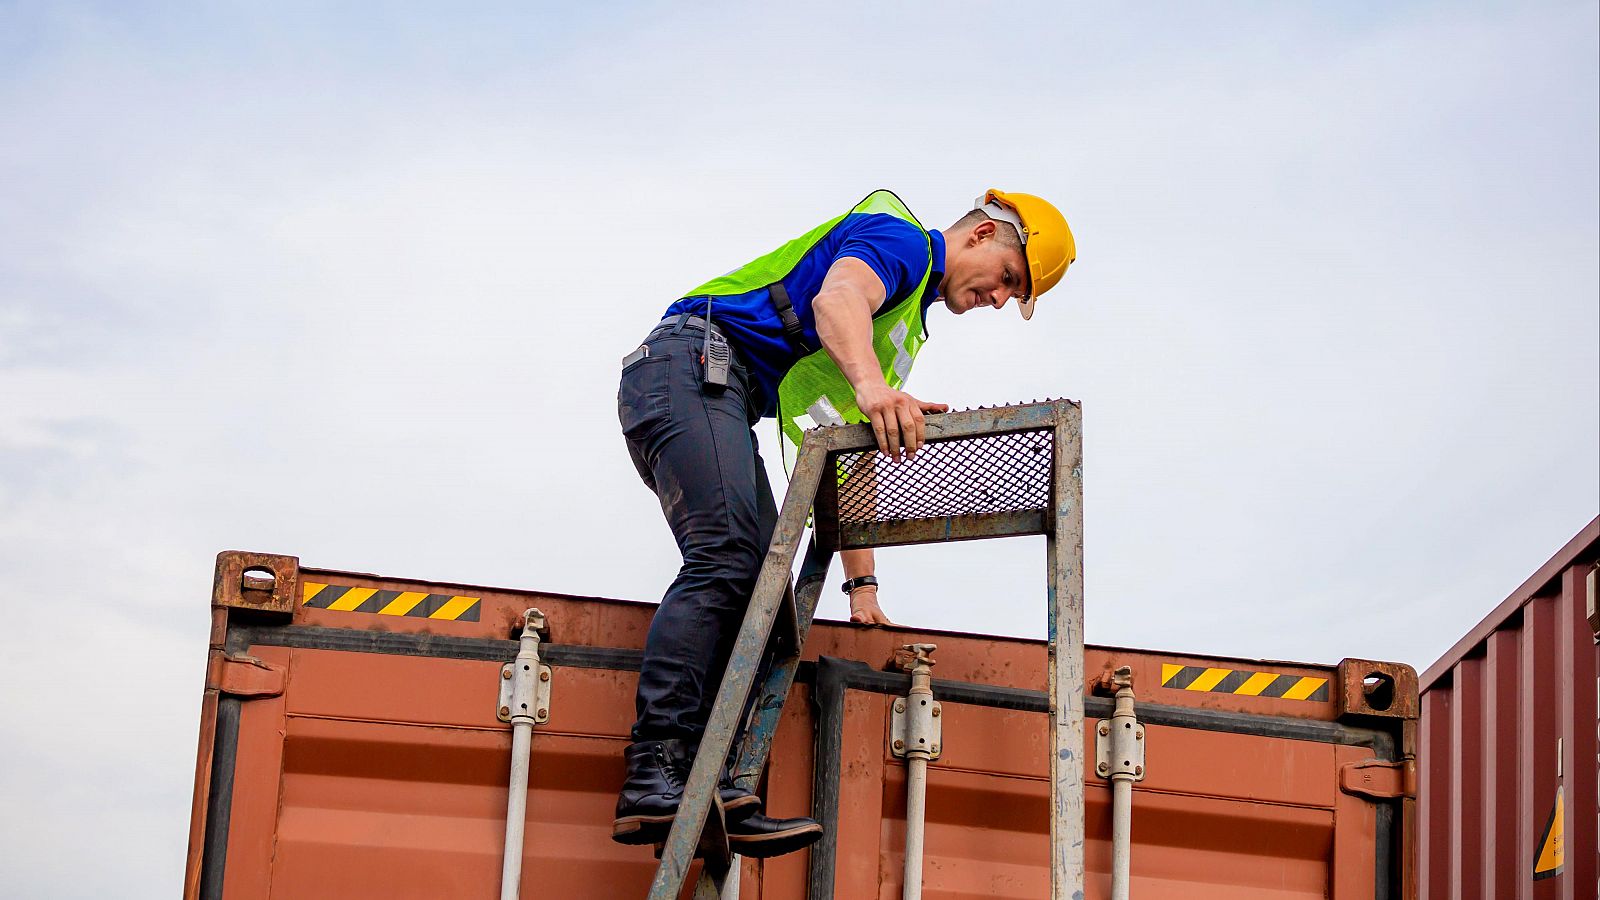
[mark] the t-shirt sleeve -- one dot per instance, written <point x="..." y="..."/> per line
<point x="893" y="248"/>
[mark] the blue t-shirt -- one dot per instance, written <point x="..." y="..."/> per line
<point x="892" y="247"/>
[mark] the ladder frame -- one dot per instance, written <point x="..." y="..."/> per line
<point x="774" y="605"/>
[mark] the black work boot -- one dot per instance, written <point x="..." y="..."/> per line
<point x="658" y="771"/>
<point x="760" y="836"/>
<point x="650" y="794"/>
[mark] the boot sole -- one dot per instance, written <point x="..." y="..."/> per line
<point x="762" y="846"/>
<point x="635" y="830"/>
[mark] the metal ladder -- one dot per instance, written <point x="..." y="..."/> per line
<point x="983" y="473"/>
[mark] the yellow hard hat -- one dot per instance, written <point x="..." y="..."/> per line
<point x="1046" y="240"/>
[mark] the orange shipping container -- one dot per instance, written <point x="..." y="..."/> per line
<point x="350" y="747"/>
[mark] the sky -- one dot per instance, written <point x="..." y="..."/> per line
<point x="351" y="283"/>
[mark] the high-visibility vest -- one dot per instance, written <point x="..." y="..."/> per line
<point x="814" y="391"/>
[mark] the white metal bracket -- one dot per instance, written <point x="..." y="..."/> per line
<point x="919" y="728"/>
<point x="1107" y="762"/>
<point x="538" y="702"/>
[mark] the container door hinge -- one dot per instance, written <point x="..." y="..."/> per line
<point x="1379" y="780"/>
<point x="245" y="676"/>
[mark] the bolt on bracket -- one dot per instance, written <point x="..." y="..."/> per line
<point x="916" y="728"/>
<point x="1106" y="763"/>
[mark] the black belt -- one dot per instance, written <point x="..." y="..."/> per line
<point x="673" y="324"/>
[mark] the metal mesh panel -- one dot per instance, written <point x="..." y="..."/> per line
<point x="962" y="477"/>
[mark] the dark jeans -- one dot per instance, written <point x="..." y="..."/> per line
<point x="697" y="452"/>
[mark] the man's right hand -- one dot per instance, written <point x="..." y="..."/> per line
<point x="897" y="418"/>
<point x="850" y="294"/>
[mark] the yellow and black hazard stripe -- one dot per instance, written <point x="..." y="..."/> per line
<point x="412" y="604"/>
<point x="1247" y="684"/>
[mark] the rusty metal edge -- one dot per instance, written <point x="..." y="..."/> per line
<point x="233" y="588"/>
<point x="1355" y="700"/>
<point x="205" y="757"/>
<point x="202" y="797"/>
<point x="225" y="753"/>
<point x="311" y="637"/>
<point x="242" y="637"/>
<point x="950" y="426"/>
<point x="941" y="529"/>
<point x="307" y="572"/>
<point x="1582" y="545"/>
<point x="460" y="587"/>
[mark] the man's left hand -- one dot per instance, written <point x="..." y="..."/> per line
<point x="864" y="608"/>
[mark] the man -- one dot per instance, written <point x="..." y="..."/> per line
<point x="820" y="331"/>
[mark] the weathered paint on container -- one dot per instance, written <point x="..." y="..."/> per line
<point x="1508" y="726"/>
<point x="350" y="747"/>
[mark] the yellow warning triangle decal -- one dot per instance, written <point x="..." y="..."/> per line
<point x="1552" y="849"/>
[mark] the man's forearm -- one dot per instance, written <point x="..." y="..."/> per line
<point x="845" y="329"/>
<point x="850" y="296"/>
<point x="857" y="562"/>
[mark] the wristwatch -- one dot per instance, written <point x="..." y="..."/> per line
<point x="853" y="583"/>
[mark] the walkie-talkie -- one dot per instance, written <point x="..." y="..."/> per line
<point x="715" y="359"/>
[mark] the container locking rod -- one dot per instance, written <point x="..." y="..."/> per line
<point x="916" y="733"/>
<point x="1120" y="744"/>
<point x="524" y="700"/>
